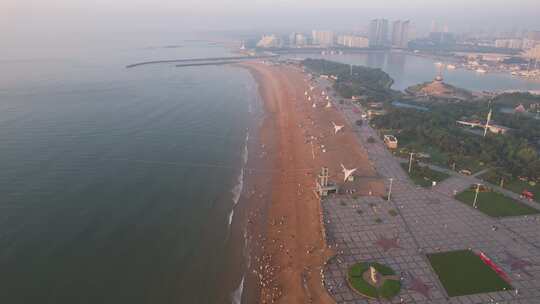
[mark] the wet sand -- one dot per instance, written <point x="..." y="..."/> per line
<point x="287" y="234"/>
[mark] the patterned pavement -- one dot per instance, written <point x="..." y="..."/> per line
<point x="418" y="221"/>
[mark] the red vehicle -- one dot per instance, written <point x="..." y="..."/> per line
<point x="527" y="194"/>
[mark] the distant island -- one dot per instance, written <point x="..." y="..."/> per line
<point x="438" y="90"/>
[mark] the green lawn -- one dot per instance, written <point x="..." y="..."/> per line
<point x="514" y="185"/>
<point x="463" y="273"/>
<point x="355" y="278"/>
<point x="495" y="204"/>
<point x="438" y="157"/>
<point x="387" y="291"/>
<point x="423" y="176"/>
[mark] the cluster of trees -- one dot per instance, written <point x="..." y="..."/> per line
<point x="515" y="99"/>
<point x="515" y="154"/>
<point x="360" y="81"/>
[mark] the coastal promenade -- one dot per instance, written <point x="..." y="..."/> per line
<point x="416" y="222"/>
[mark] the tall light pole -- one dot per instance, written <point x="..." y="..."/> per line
<point x="390" y="189"/>
<point x="410" y="162"/>
<point x="488" y="120"/>
<point x="476" y="196"/>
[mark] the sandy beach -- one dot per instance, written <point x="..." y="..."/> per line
<point x="298" y="136"/>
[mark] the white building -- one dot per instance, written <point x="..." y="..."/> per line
<point x="323" y="38"/>
<point x="516" y="44"/>
<point x="353" y="41"/>
<point x="269" y="41"/>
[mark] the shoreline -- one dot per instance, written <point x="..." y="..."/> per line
<point x="286" y="238"/>
<point x="248" y="196"/>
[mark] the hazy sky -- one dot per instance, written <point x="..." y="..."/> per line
<point x="84" y="15"/>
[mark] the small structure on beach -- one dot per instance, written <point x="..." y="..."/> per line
<point x="391" y="141"/>
<point x="373" y="113"/>
<point x="337" y="128"/>
<point x="323" y="186"/>
<point x="348" y="174"/>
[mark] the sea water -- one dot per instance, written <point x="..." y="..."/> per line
<point x="119" y="185"/>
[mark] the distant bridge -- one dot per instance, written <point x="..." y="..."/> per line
<point x="207" y="61"/>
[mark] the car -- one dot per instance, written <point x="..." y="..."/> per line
<point x="465" y="172"/>
<point x="527" y="195"/>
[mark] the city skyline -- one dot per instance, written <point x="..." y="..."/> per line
<point x="190" y="15"/>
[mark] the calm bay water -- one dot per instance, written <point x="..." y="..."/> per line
<point x="116" y="184"/>
<point x="408" y="70"/>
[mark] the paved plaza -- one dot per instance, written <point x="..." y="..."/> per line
<point x="418" y="221"/>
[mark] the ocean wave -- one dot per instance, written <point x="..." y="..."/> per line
<point x="236" y="296"/>
<point x="246" y="253"/>
<point x="239" y="187"/>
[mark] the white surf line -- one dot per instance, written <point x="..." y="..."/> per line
<point x="236" y="296"/>
<point x="238" y="189"/>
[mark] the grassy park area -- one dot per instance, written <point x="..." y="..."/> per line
<point x="437" y="156"/>
<point x="513" y="184"/>
<point x="495" y="204"/>
<point x="424" y="176"/>
<point x="463" y="273"/>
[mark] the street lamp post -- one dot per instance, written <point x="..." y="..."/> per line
<point x="476" y="196"/>
<point x="410" y="162"/>
<point x="390" y="189"/>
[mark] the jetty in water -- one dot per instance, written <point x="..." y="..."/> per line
<point x="206" y="61"/>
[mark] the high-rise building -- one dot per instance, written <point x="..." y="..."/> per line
<point x="405" y="34"/>
<point x="437" y="27"/>
<point x="298" y="39"/>
<point x="434" y="27"/>
<point x="292" y="39"/>
<point x="323" y="38"/>
<point x="400" y="34"/>
<point x="396" y="33"/>
<point x="534" y="53"/>
<point x="441" y="38"/>
<point x="378" y="33"/>
<point x="534" y="35"/>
